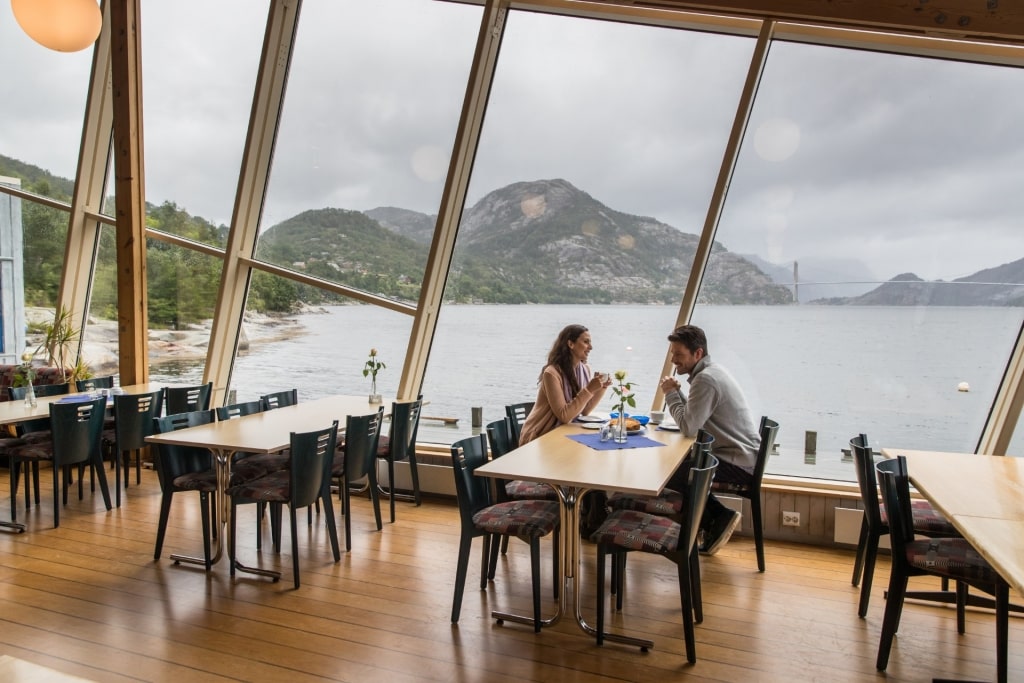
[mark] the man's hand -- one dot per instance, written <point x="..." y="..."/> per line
<point x="669" y="384"/>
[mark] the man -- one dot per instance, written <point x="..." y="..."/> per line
<point x="714" y="403"/>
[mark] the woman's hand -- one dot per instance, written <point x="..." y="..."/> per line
<point x="599" y="382"/>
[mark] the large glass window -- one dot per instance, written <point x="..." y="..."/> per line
<point x="200" y="61"/>
<point x="596" y="163"/>
<point x="43" y="109"/>
<point x="366" y="134"/>
<point x="885" y="188"/>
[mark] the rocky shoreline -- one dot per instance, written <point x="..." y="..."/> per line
<point x="99" y="348"/>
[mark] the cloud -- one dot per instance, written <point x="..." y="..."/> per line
<point x="903" y="163"/>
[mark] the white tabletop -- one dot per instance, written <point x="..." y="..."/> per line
<point x="982" y="495"/>
<point x="554" y="458"/>
<point x="269" y="431"/>
<point x="13" y="412"/>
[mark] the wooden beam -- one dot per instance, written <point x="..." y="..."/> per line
<point x="129" y="188"/>
<point x="971" y="19"/>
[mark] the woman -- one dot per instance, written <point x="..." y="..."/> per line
<point x="567" y="388"/>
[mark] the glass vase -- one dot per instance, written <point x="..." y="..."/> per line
<point x="619" y="430"/>
<point x="30" y="396"/>
<point x="374" y="396"/>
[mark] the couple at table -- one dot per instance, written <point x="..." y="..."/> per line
<point x="713" y="402"/>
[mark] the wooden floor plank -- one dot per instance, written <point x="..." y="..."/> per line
<point x="87" y="599"/>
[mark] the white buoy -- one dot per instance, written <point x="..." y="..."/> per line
<point x="963" y="386"/>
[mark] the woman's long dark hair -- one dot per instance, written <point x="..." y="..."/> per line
<point x="561" y="356"/>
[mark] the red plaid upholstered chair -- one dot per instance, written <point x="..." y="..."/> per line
<point x="629" y="530"/>
<point x="950" y="558"/>
<point x="306" y="481"/>
<point x="926" y="519"/>
<point x="482" y="515"/>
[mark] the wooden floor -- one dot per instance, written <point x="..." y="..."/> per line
<point x="88" y="599"/>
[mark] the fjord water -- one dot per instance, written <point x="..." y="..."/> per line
<point x="890" y="372"/>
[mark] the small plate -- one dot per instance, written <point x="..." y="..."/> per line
<point x="591" y="418"/>
<point x="669" y="427"/>
<point x="591" y="425"/>
<point x="634" y="432"/>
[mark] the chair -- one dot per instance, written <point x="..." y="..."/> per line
<point x="306" y="481"/>
<point x="187" y="399"/>
<point x="185" y="468"/>
<point x="926" y="521"/>
<point x="133" y="422"/>
<point x="950" y="558"/>
<point x="94" y="383"/>
<point x="502" y="440"/>
<point x="669" y="503"/>
<point x="355" y="460"/>
<point x="517" y="413"/>
<point x="482" y="515"/>
<point x="400" y="444"/>
<point x="280" y="399"/>
<point x="246" y="466"/>
<point x="751" y="490"/>
<point x="626" y="530"/>
<point x="76" y="431"/>
<point x="30" y="431"/>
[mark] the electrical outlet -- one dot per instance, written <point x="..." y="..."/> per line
<point x="790" y="519"/>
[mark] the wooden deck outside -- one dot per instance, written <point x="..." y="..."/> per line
<point x="88" y="600"/>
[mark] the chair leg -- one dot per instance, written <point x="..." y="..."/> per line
<point x="231" y="536"/>
<point x="535" y="581"/>
<point x="961" y="607"/>
<point x="696" y="592"/>
<point x="686" y="600"/>
<point x="891" y="620"/>
<point x="485" y="559"/>
<point x="557" y="573"/>
<point x="862" y="543"/>
<point x="461" y="569"/>
<point x="599" y="627"/>
<point x="870" y="556"/>
<point x="14" y="468"/>
<point x="332" y="525"/>
<point x="391" y="483"/>
<point x="375" y="498"/>
<point x="1002" y="629"/>
<point x="205" y="514"/>
<point x="57" y="476"/>
<point x="102" y="476"/>
<point x="415" y="479"/>
<point x="35" y="482"/>
<point x="161" y="529"/>
<point x="138" y="467"/>
<point x="755" y="518"/>
<point x="343" y="492"/>
<point x="492" y="557"/>
<point x="295" y="543"/>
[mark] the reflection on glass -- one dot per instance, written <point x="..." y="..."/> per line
<point x="861" y="187"/>
<point x="100" y="335"/>
<point x="200" y="75"/>
<point x="366" y="132"/>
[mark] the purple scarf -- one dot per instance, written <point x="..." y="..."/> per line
<point x="582" y="378"/>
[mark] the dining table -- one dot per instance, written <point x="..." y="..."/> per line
<point x="268" y="431"/>
<point x="982" y="496"/>
<point x="16" y="411"/>
<point x="570" y="461"/>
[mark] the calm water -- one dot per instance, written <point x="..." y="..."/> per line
<point x="889" y="372"/>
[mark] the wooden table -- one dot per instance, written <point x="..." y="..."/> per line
<point x="265" y="432"/>
<point x="983" y="496"/>
<point x="14" y="412"/>
<point x="573" y="469"/>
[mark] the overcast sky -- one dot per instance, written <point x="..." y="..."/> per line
<point x="893" y="164"/>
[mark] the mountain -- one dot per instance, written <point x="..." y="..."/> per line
<point x="532" y="242"/>
<point x="990" y="287"/>
<point x="546" y="241"/>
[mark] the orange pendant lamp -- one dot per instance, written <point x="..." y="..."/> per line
<point x="62" y="25"/>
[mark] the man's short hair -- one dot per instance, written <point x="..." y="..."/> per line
<point x="690" y="336"/>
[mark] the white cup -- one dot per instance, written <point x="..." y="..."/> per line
<point x="657" y="416"/>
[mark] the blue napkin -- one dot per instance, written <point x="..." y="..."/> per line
<point x="594" y="441"/>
